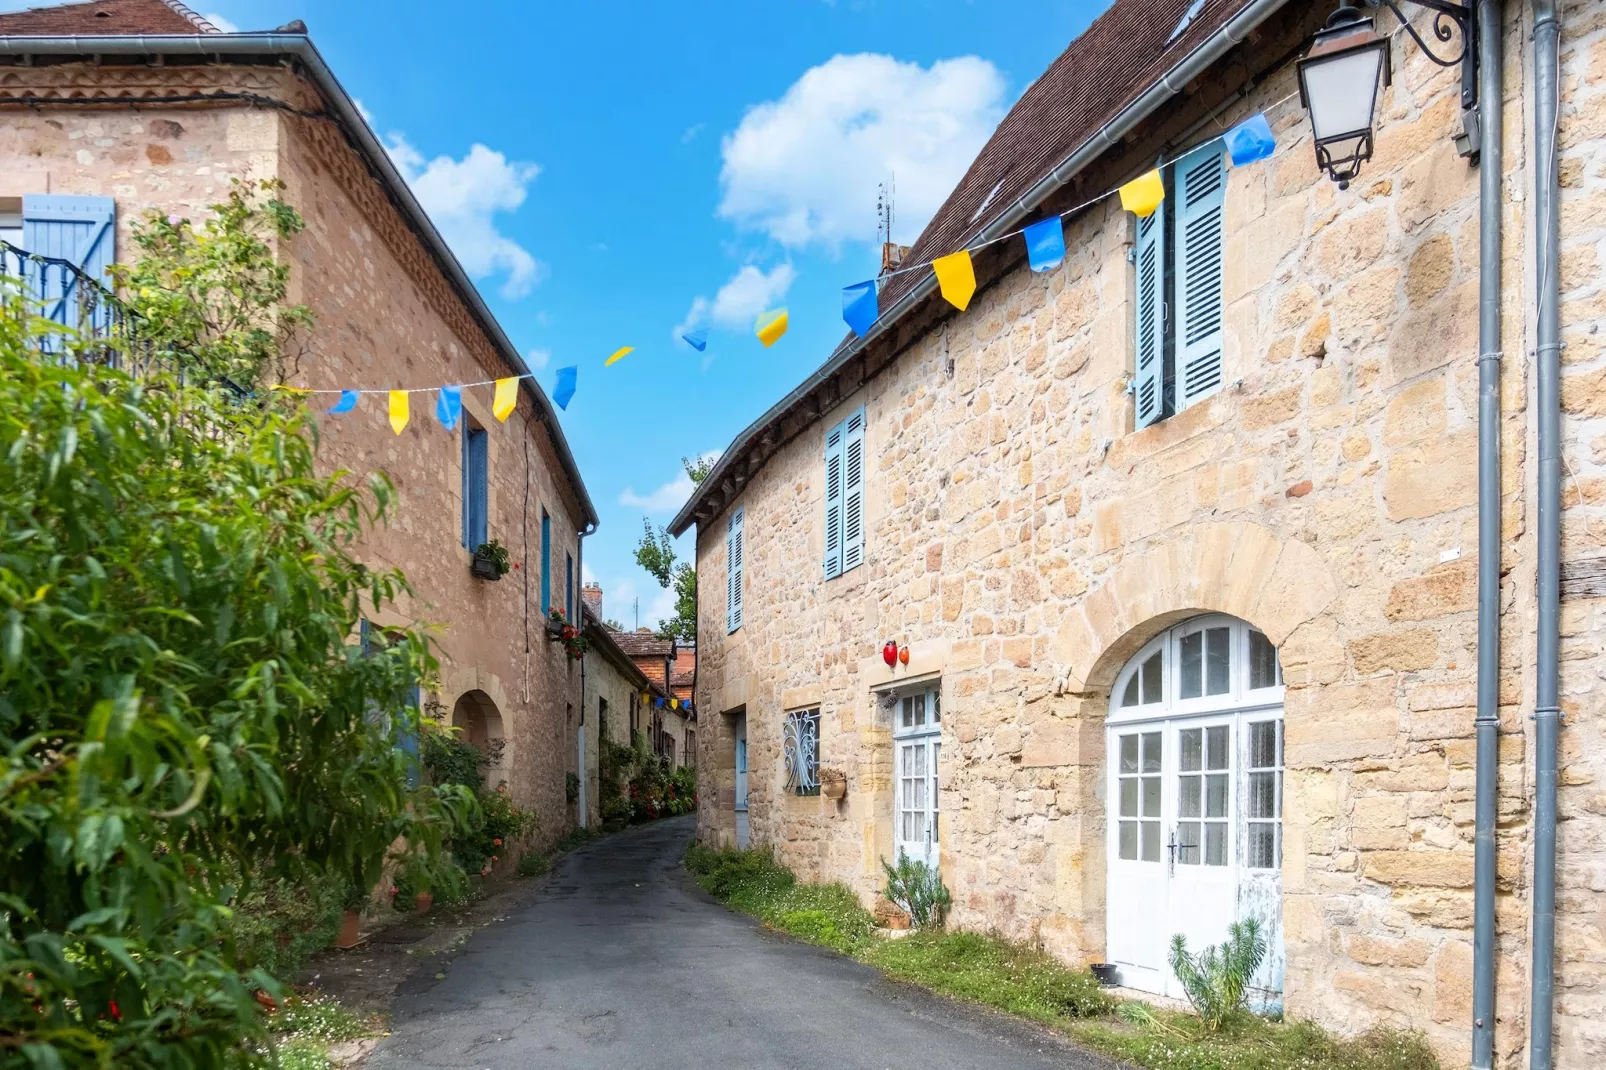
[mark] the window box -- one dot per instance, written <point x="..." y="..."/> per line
<point x="490" y="561"/>
<point x="485" y="568"/>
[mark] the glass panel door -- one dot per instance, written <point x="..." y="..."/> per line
<point x="1136" y="850"/>
<point x="917" y="745"/>
<point x="1202" y="884"/>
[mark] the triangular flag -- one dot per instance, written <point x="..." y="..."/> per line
<point x="674" y="703"/>
<point x="618" y="355"/>
<point x="563" y="390"/>
<point x="507" y="396"/>
<point x="770" y="327"/>
<point x="1250" y="140"/>
<point x="1045" y="244"/>
<point x="957" y="278"/>
<point x="449" y="406"/>
<point x="859" y="309"/>
<point x="398" y="410"/>
<point x="1143" y="194"/>
<point x="697" y="339"/>
<point x="347" y="402"/>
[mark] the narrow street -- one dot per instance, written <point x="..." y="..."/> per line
<point x="622" y="961"/>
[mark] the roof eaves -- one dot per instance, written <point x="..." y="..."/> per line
<point x="300" y="46"/>
<point x="600" y="635"/>
<point x="1108" y="136"/>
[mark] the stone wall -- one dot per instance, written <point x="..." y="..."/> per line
<point x="1023" y="540"/>
<point x="386" y="316"/>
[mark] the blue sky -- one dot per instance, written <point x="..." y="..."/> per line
<point x="610" y="171"/>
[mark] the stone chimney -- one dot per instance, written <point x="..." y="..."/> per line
<point x="591" y="595"/>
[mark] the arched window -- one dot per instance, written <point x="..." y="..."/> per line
<point x="1194" y="745"/>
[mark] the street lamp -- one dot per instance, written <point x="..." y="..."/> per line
<point x="1340" y="78"/>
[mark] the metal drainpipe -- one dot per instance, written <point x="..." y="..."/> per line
<point x="1547" y="707"/>
<point x="1490" y="107"/>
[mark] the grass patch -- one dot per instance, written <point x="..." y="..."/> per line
<point x="304" y="1029"/>
<point x="1028" y="982"/>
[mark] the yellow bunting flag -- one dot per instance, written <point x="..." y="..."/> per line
<point x="618" y="355"/>
<point x="957" y="278"/>
<point x="507" y="396"/>
<point x="674" y="703"/>
<point x="770" y="327"/>
<point x="398" y="410"/>
<point x="1143" y="194"/>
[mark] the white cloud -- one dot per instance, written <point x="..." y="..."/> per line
<point x="668" y="497"/>
<point x="690" y="133"/>
<point x="362" y="109"/>
<point x="738" y="303"/>
<point x="462" y="197"/>
<point x="804" y="169"/>
<point x="537" y="358"/>
<point x="220" y="22"/>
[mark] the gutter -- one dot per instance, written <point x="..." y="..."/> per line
<point x="1107" y="137"/>
<point x="301" y="48"/>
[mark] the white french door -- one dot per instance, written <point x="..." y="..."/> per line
<point x="1194" y="842"/>
<point x="917" y="746"/>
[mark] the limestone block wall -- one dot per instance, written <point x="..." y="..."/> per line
<point x="386" y="316"/>
<point x="1024" y="540"/>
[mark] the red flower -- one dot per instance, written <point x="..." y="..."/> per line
<point x="117" y="1014"/>
<point x="392" y="889"/>
<point x="496" y="843"/>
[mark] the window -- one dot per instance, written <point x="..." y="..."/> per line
<point x="79" y="230"/>
<point x="691" y="748"/>
<point x="801" y="743"/>
<point x="917" y="752"/>
<point x="546" y="563"/>
<point x="568" y="585"/>
<point x="1203" y="778"/>
<point x="602" y="718"/>
<point x="476" y="444"/>
<point x="844" y="495"/>
<point x="1264" y="820"/>
<point x="1179" y="278"/>
<point x="1138" y="834"/>
<point x="733" y="574"/>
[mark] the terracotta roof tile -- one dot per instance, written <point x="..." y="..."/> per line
<point x="643" y="644"/>
<point x="105" y="17"/>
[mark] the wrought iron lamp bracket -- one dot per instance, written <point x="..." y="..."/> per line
<point x="1466" y="24"/>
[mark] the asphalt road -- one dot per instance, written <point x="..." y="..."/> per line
<point x="621" y="961"/>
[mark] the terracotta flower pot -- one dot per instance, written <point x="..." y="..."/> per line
<point x="833" y="783"/>
<point x="347" y="936"/>
<point x="423" y="901"/>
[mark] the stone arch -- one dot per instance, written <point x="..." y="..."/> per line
<point x="1241" y="569"/>
<point x="476" y="715"/>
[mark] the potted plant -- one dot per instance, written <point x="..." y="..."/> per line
<point x="490" y="561"/>
<point x="350" y="934"/>
<point x="562" y="630"/>
<point x="833" y="783"/>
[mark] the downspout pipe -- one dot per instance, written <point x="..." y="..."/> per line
<point x="1486" y="805"/>
<point x="1547" y="704"/>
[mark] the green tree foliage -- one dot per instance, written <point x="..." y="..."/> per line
<point x="918" y="889"/>
<point x="183" y="701"/>
<point x="216" y="294"/>
<point x="656" y="554"/>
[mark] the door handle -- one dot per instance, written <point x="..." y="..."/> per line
<point x="1171" y="854"/>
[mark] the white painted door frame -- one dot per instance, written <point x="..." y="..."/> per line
<point x="917" y="749"/>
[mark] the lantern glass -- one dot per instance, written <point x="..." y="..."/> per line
<point x="1341" y="90"/>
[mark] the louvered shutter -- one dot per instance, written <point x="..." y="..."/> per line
<point x="853" y="491"/>
<point x="79" y="230"/>
<point x="733" y="571"/>
<point x="1201" y="186"/>
<point x="833" y="501"/>
<point x="1150" y="378"/>
<point x="476" y="471"/>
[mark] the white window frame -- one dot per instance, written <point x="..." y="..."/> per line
<point x="1240" y="696"/>
<point x="929" y="732"/>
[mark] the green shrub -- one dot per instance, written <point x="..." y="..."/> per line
<point x="1217" y="979"/>
<point x="753" y="882"/>
<point x="534" y="864"/>
<point x="277" y="924"/>
<point x="183" y="700"/>
<point x="918" y="889"/>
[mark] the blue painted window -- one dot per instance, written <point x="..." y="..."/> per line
<point x="546" y="563"/>
<point x="568" y="585"/>
<point x="476" y="483"/>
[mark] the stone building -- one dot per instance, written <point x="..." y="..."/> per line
<point x="615" y="688"/>
<point x="1217" y="658"/>
<point x="668" y="727"/>
<point x="111" y="108"/>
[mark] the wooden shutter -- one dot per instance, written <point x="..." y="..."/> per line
<point x="1149" y="381"/>
<point x="79" y="230"/>
<point x="1201" y="184"/>
<point x="733" y="574"/>
<point x="833" y="501"/>
<point x="853" y="490"/>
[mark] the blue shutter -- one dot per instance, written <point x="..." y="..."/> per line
<point x="1201" y="185"/>
<point x="79" y="230"/>
<point x="546" y="564"/>
<point x="733" y="571"/>
<point x="476" y="477"/>
<point x="833" y="502"/>
<point x="1149" y="382"/>
<point x="853" y="490"/>
<point x="568" y="596"/>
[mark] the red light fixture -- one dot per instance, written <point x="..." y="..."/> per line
<point x="889" y="653"/>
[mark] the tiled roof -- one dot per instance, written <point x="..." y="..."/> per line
<point x="1124" y="51"/>
<point x="105" y="17"/>
<point x="682" y="679"/>
<point x="643" y="644"/>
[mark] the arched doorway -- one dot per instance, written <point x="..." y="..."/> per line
<point x="476" y="715"/>
<point x="1194" y="740"/>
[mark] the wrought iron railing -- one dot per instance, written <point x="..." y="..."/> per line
<point x="95" y="325"/>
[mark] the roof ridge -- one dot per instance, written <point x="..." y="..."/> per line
<point x="185" y="13"/>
